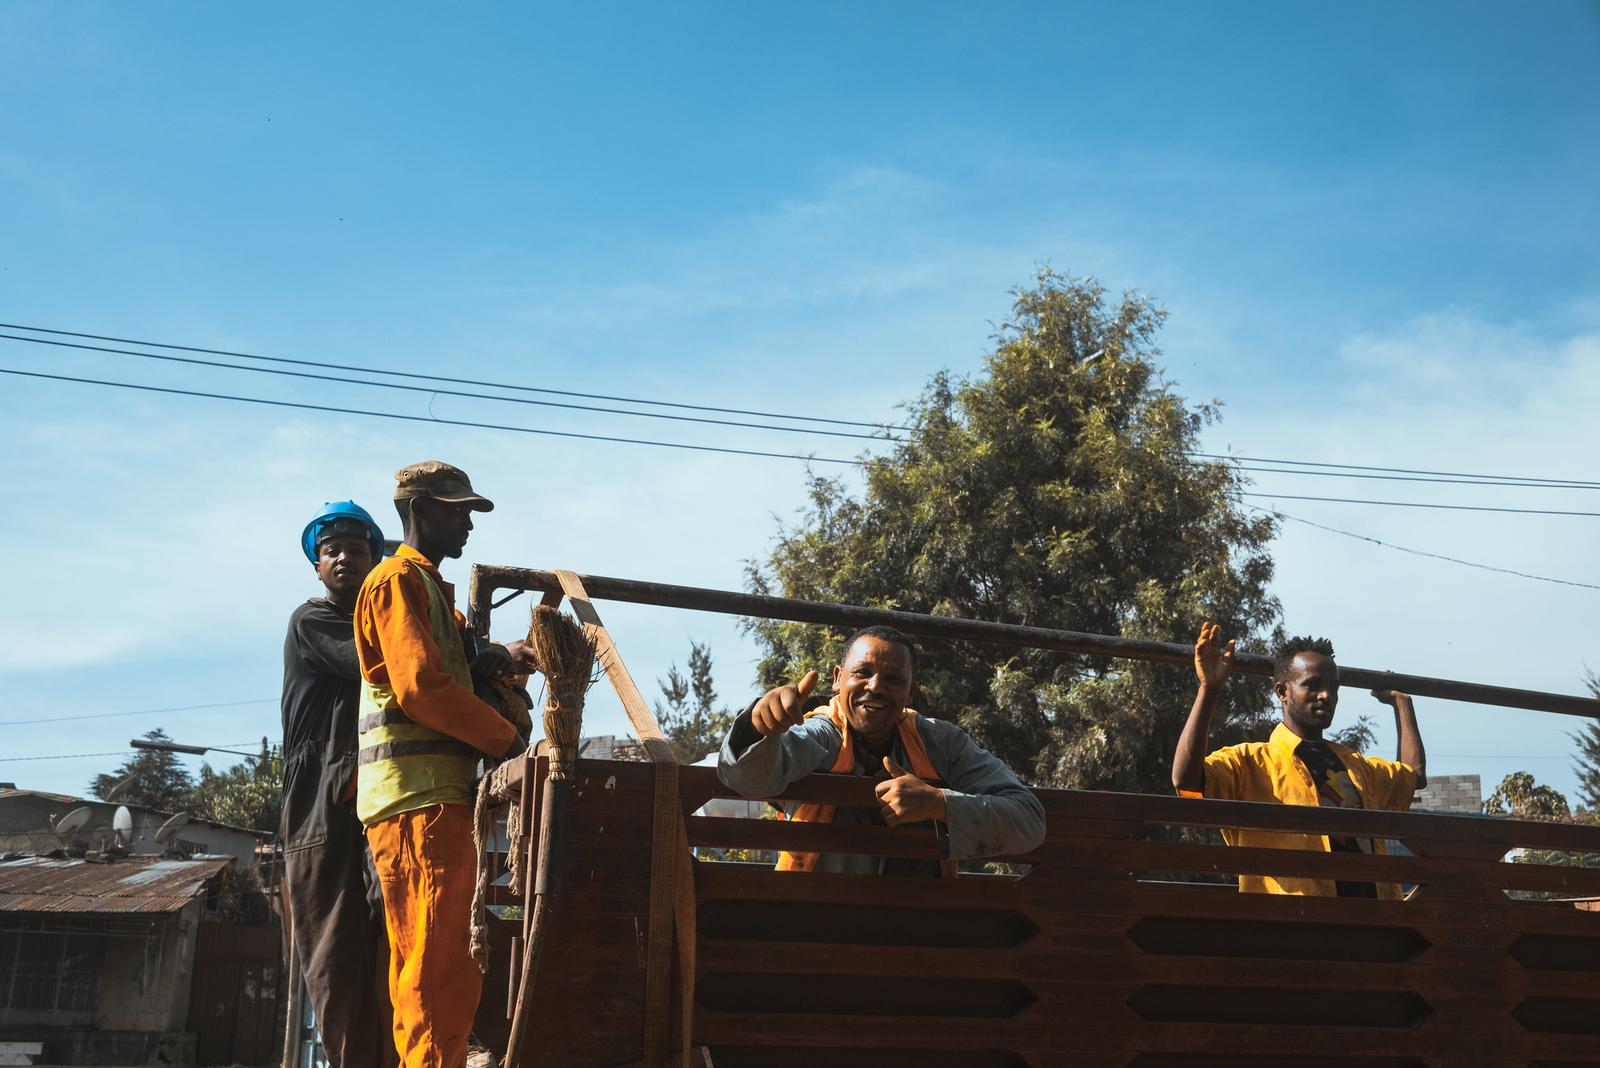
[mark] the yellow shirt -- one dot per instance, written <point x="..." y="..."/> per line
<point x="1270" y="771"/>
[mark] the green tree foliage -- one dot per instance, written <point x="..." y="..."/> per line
<point x="1586" y="761"/>
<point x="246" y="795"/>
<point x="1358" y="735"/>
<point x="157" y="779"/>
<point x="1519" y="795"/>
<point x="686" y="713"/>
<point x="1058" y="488"/>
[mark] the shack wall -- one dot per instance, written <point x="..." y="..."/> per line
<point x="145" y="984"/>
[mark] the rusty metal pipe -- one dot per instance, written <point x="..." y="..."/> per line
<point x="487" y="578"/>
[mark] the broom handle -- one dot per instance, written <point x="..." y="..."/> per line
<point x="545" y="887"/>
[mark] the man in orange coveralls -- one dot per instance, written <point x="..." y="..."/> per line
<point x="422" y="735"/>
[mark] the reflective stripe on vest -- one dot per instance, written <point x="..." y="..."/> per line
<point x="403" y="765"/>
<point x="843" y="764"/>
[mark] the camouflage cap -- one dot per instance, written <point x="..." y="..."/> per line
<point x="436" y="479"/>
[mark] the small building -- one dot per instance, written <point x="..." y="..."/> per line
<point x="1450" y="793"/>
<point x="609" y="747"/>
<point x="128" y="959"/>
<point x="28" y="819"/>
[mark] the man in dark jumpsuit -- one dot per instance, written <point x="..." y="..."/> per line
<point x="335" y="906"/>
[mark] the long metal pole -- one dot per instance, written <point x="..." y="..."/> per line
<point x="488" y="578"/>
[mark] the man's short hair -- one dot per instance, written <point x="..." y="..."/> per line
<point x="884" y="632"/>
<point x="1283" y="656"/>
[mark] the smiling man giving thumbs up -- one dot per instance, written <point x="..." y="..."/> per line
<point x="930" y="771"/>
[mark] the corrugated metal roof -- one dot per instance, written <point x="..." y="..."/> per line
<point x="127" y="884"/>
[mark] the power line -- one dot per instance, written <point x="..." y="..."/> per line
<point x="118" y="752"/>
<point x="1389" y="473"/>
<point x="446" y="378"/>
<point x="68" y="756"/>
<point x="139" y="712"/>
<point x="1421" y="552"/>
<point x="1550" y="483"/>
<point x="1412" y="478"/>
<point x="682" y="445"/>
<point x="1392" y="470"/>
<point x="435" y="391"/>
<point x="424" y="418"/>
<point x="1499" y="756"/>
<point x="1417" y="504"/>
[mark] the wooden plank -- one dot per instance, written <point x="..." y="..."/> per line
<point x="1099" y="971"/>
<point x="666" y="839"/>
<point x="1064" y="807"/>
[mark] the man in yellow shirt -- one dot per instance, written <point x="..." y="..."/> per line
<point x="1296" y="766"/>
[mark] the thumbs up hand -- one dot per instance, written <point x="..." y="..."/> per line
<point x="904" y="798"/>
<point x="782" y="707"/>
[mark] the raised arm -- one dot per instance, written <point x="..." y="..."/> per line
<point x="771" y="744"/>
<point x="1213" y="663"/>
<point x="1405" y="725"/>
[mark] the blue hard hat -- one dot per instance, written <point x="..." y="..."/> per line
<point x="333" y="512"/>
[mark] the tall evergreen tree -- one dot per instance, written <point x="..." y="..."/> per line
<point x="157" y="779"/>
<point x="687" y="714"/>
<point x="1586" y="761"/>
<point x="1061" y="487"/>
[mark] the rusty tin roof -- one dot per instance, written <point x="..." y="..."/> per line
<point x="131" y="884"/>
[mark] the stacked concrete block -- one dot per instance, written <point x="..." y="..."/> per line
<point x="1450" y="793"/>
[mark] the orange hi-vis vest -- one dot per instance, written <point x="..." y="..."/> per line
<point x="845" y="762"/>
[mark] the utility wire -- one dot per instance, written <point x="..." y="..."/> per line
<point x="1421" y="552"/>
<point x="435" y="391"/>
<point x="139" y="712"/>
<point x="1415" y="478"/>
<point x="671" y="444"/>
<point x="1391" y="470"/>
<point x="1417" y="504"/>
<point x="1446" y="477"/>
<point x="69" y="756"/>
<point x="446" y="378"/>
<point x="1491" y="479"/>
<point x="118" y="752"/>
<point x="423" y="418"/>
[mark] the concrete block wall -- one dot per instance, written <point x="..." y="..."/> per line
<point x="1450" y="793"/>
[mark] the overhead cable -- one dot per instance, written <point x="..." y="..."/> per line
<point x="69" y="756"/>
<point x="446" y="378"/>
<point x="692" y="447"/>
<point x="1418" y="504"/>
<point x="422" y="418"/>
<point x="1423" y="552"/>
<point x="437" y="392"/>
<point x="1391" y="470"/>
<point x="116" y="752"/>
<point x="1518" y="484"/>
<point x="139" y="712"/>
<point x="1543" y="482"/>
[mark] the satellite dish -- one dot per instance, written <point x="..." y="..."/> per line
<point x="74" y="820"/>
<point x="111" y="794"/>
<point x="122" y="825"/>
<point x="172" y="826"/>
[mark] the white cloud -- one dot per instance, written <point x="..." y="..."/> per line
<point x="1444" y="391"/>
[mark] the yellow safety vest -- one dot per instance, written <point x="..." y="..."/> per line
<point x="403" y="766"/>
<point x="845" y="763"/>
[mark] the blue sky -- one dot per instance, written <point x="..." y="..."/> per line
<point x="1373" y="226"/>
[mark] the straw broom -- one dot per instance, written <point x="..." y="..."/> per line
<point x="566" y="659"/>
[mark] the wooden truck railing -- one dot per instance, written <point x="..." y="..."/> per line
<point x="1106" y="946"/>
